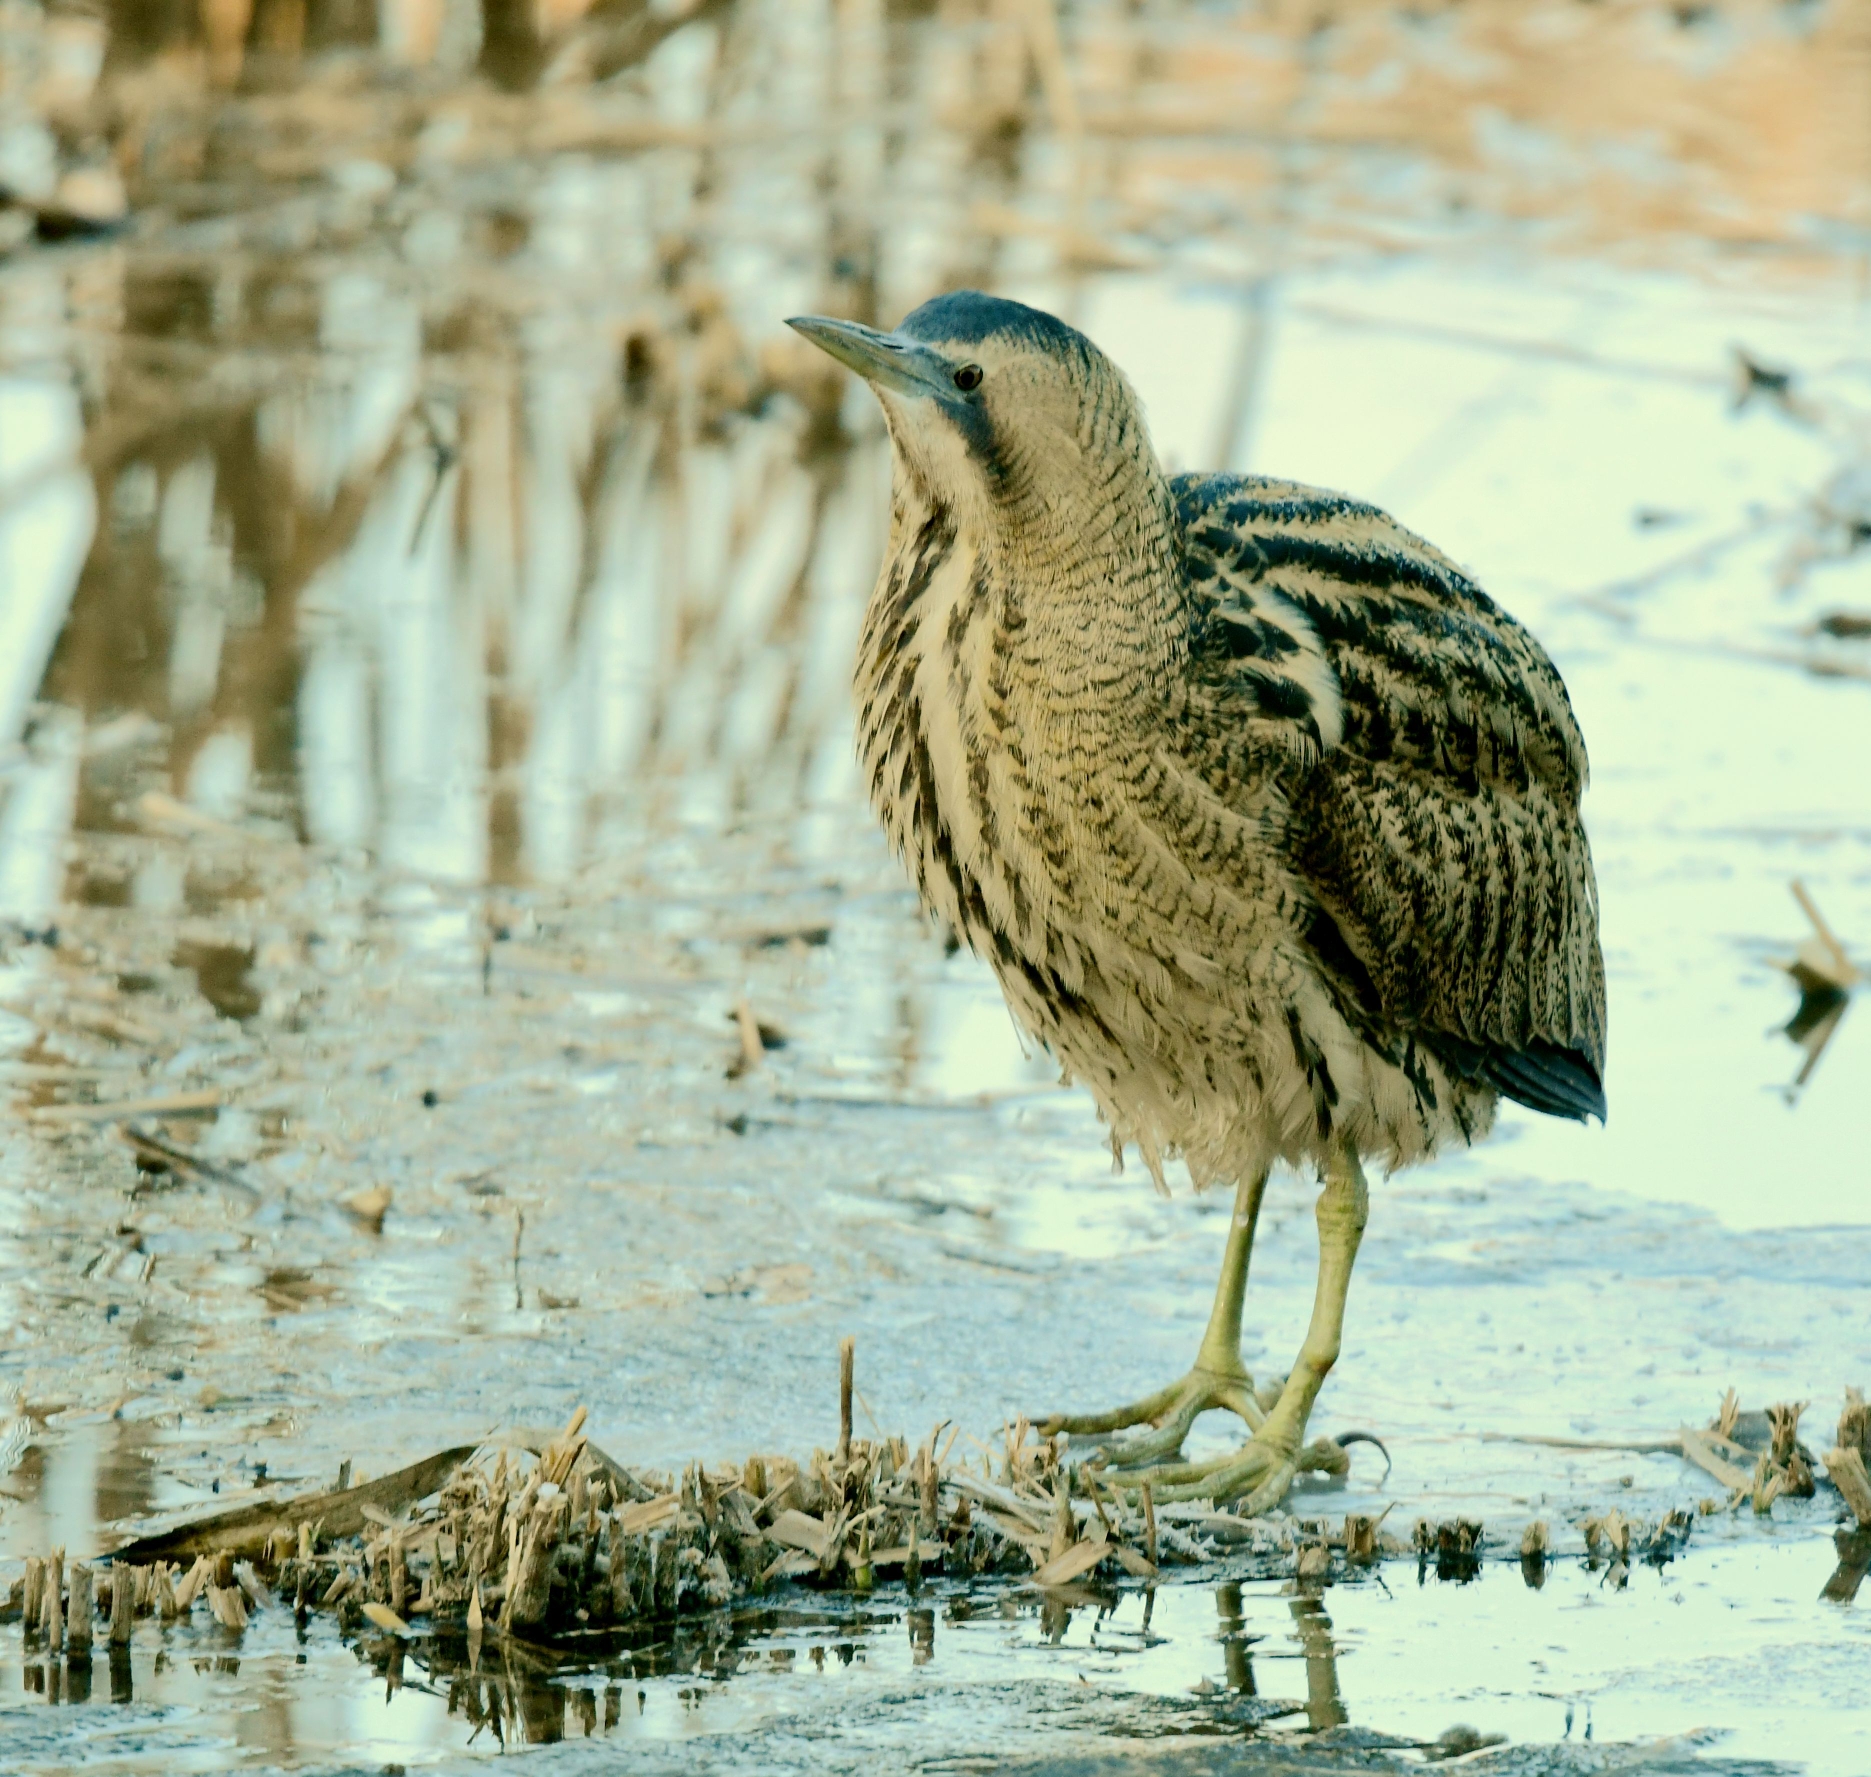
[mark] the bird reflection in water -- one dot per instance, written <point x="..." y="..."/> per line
<point x="516" y="1694"/>
<point x="1234" y="1639"/>
<point x="1324" y="1707"/>
<point x="524" y="1707"/>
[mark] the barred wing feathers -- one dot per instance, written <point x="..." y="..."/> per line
<point x="1434" y="784"/>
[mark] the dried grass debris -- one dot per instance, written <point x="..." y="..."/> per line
<point x="1854" y="1427"/>
<point x="1535" y="1552"/>
<point x="1847" y="1472"/>
<point x="1364" y="1540"/>
<point x="1757" y="1456"/>
<point x="1608" y="1534"/>
<point x="1313" y="1563"/>
<point x="369" y="1207"/>
<point x="536" y="1535"/>
<point x="1454" y="1546"/>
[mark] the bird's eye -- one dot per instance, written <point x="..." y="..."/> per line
<point x="968" y="377"/>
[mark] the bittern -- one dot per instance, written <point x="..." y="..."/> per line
<point x="1265" y="816"/>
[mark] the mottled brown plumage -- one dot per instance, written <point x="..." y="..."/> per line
<point x="1265" y="816"/>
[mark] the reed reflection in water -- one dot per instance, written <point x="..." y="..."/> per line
<point x="429" y="468"/>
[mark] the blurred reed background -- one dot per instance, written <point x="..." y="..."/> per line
<point x="398" y="442"/>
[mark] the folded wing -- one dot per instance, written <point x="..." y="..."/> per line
<point x="1434" y="789"/>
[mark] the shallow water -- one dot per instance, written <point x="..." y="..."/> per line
<point x="1581" y="1660"/>
<point x="429" y="581"/>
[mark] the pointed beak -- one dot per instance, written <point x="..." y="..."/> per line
<point x="886" y="360"/>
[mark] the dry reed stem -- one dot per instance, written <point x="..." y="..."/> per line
<point x="399" y="1574"/>
<point x="928" y="1488"/>
<point x="386" y="1619"/>
<point x="342" y="1512"/>
<point x="847" y="1373"/>
<point x="1848" y="1474"/>
<point x="123" y="1591"/>
<point x="1064" y="1522"/>
<point x="1854" y="1428"/>
<point x="80" y="1612"/>
<point x="1313" y="1562"/>
<point x="1835" y="965"/>
<point x="1608" y="1533"/>
<point x="1363" y="1536"/>
<point x="167" y="1104"/>
<point x="33" y="1594"/>
<point x="753" y="1051"/>
<point x="1698" y="1448"/>
<point x="52" y="1608"/>
<point x="224" y="1603"/>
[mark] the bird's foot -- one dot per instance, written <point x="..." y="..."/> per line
<point x="1169" y="1413"/>
<point x="1258" y="1474"/>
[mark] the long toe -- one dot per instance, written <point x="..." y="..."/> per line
<point x="1261" y="1471"/>
<point x="1259" y="1483"/>
<point x="1168" y="1414"/>
<point x="1092" y="1425"/>
<point x="1151" y="1446"/>
<point x="1266" y="1493"/>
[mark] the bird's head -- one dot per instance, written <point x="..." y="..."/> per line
<point x="998" y="411"/>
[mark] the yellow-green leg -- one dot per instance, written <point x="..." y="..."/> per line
<point x="1219" y="1378"/>
<point x="1264" y="1469"/>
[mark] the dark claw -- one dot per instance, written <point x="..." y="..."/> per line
<point x="1346" y="1439"/>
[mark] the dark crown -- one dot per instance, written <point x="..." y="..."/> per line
<point x="966" y="317"/>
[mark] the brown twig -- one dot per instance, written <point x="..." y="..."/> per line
<point x="847" y="1369"/>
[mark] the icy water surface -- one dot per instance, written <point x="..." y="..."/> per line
<point x="428" y="577"/>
